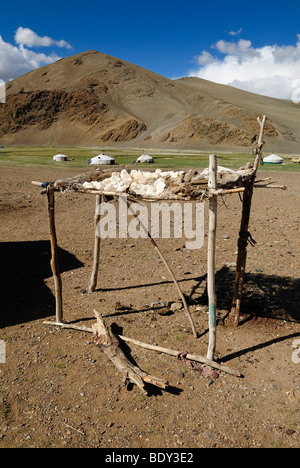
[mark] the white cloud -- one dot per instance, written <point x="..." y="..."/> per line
<point x="29" y="38"/>
<point x="205" y="58"/>
<point x="270" y="70"/>
<point x="236" y="33"/>
<point x="242" y="49"/>
<point x="16" y="60"/>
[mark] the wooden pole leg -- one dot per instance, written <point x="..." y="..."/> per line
<point x="242" y="253"/>
<point x="244" y="235"/>
<point x="94" y="276"/>
<point x="54" y="255"/>
<point x="211" y="288"/>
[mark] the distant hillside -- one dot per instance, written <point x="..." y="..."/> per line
<point x="93" y="99"/>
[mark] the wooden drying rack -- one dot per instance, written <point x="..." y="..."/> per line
<point x="211" y="191"/>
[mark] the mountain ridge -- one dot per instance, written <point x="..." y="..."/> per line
<point x="92" y="99"/>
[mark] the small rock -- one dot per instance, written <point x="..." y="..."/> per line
<point x="176" y="306"/>
<point x="158" y="304"/>
<point x="294" y="395"/>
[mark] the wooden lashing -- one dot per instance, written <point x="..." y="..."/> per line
<point x="244" y="235"/>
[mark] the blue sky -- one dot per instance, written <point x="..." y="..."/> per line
<point x="223" y="41"/>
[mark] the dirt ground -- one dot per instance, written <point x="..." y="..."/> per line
<point x="58" y="389"/>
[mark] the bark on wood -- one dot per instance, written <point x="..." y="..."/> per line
<point x="68" y="326"/>
<point x="212" y="184"/>
<point x="109" y="345"/>
<point x="273" y="186"/>
<point x="54" y="255"/>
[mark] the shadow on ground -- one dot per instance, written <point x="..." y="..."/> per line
<point x="268" y="296"/>
<point x="24" y="294"/>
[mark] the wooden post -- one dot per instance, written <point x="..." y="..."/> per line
<point x="212" y="185"/>
<point x="244" y="234"/>
<point x="54" y="254"/>
<point x="242" y="252"/>
<point x="94" y="276"/>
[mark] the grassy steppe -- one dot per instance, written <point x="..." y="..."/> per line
<point x="43" y="156"/>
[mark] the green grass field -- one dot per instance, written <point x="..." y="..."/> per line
<point x="43" y="156"/>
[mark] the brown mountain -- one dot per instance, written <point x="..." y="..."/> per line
<point x="93" y="99"/>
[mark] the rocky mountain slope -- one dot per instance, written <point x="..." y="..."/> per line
<point x="92" y="99"/>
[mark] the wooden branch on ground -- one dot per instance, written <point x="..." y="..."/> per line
<point x="192" y="357"/>
<point x="158" y="349"/>
<point x="109" y="345"/>
<point x="69" y="326"/>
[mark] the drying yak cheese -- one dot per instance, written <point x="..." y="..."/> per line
<point x="157" y="185"/>
<point x="143" y="184"/>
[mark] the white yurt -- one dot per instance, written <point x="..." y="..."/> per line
<point x="60" y="157"/>
<point x="273" y="159"/>
<point x="101" y="159"/>
<point x="145" y="158"/>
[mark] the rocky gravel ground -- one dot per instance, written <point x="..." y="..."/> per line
<point x="56" y="387"/>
